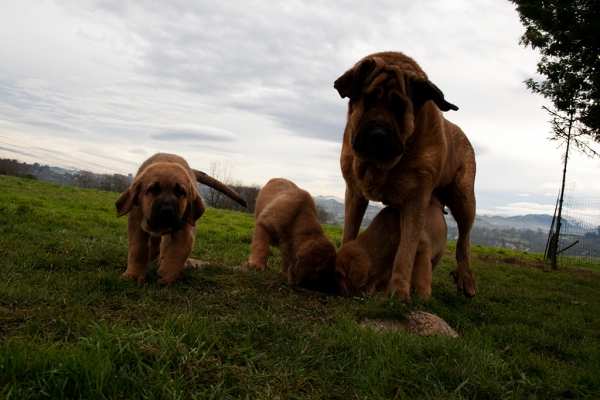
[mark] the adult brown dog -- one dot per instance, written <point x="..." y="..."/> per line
<point x="365" y="265"/>
<point x="286" y="217"/>
<point x="399" y="149"/>
<point x="163" y="205"/>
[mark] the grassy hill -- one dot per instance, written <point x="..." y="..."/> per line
<point x="71" y="327"/>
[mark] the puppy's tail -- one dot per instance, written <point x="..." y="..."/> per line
<point x="208" y="180"/>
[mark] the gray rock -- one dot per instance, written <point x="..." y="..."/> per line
<point x="419" y="322"/>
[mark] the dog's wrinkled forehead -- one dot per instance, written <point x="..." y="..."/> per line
<point x="386" y="78"/>
<point x="167" y="177"/>
<point x="375" y="75"/>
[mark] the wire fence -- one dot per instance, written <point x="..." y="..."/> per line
<point x="579" y="240"/>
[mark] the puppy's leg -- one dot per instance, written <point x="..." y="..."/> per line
<point x="355" y="207"/>
<point x="462" y="206"/>
<point x="137" y="258"/>
<point x="259" y="253"/>
<point x="422" y="272"/>
<point x="174" y="252"/>
<point x="285" y="264"/>
<point x="154" y="244"/>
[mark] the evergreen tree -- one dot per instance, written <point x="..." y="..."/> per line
<point x="567" y="34"/>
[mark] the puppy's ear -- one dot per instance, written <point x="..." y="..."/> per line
<point x="423" y="90"/>
<point x="194" y="209"/>
<point x="358" y="275"/>
<point x="128" y="199"/>
<point x="351" y="83"/>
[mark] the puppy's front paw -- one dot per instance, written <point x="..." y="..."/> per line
<point x="253" y="266"/>
<point x="400" y="290"/>
<point x="464" y="282"/>
<point x="166" y="280"/>
<point x="135" y="277"/>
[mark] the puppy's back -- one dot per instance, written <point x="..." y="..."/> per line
<point x="274" y="188"/>
<point x="435" y="232"/>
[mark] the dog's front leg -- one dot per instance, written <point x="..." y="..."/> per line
<point x="154" y="245"/>
<point x="412" y="222"/>
<point x="354" y="210"/>
<point x="137" y="258"/>
<point x="422" y="272"/>
<point x="174" y="252"/>
<point x="259" y="250"/>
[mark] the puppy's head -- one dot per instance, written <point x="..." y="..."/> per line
<point x="315" y="260"/>
<point x="167" y="197"/>
<point x="385" y="92"/>
<point x="352" y="267"/>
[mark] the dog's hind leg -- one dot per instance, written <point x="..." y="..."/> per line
<point x="462" y="206"/>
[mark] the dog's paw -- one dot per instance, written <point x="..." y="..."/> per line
<point x="253" y="266"/>
<point x="166" y="280"/>
<point x="139" y="278"/>
<point x="464" y="282"/>
<point x="398" y="289"/>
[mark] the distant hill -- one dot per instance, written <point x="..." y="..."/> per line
<point x="534" y="222"/>
<point x="529" y="221"/>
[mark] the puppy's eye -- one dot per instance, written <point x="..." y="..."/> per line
<point x="154" y="190"/>
<point x="179" y="191"/>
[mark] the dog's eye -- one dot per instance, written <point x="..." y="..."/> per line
<point x="371" y="98"/>
<point x="179" y="192"/>
<point x="398" y="106"/>
<point x="154" y="190"/>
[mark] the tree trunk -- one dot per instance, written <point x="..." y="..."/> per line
<point x="555" y="239"/>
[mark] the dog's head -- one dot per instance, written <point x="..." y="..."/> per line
<point x="352" y="266"/>
<point x="315" y="260"/>
<point x="386" y="91"/>
<point x="167" y="197"/>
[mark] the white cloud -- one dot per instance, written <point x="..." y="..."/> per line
<point x="110" y="83"/>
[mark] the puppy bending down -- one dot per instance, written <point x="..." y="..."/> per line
<point x="163" y="205"/>
<point x="365" y="264"/>
<point x="286" y="217"/>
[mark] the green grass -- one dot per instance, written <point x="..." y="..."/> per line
<point x="71" y="327"/>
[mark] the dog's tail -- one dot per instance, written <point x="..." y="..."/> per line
<point x="208" y="180"/>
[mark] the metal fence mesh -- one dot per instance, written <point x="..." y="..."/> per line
<point x="579" y="240"/>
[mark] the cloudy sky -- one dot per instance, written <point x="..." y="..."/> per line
<point x="103" y="84"/>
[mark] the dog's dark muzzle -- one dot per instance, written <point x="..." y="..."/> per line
<point x="378" y="142"/>
<point x="165" y="215"/>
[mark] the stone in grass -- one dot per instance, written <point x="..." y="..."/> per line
<point x="419" y="322"/>
<point x="192" y="263"/>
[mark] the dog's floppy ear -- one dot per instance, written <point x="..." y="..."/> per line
<point x="351" y="83"/>
<point x="128" y="199"/>
<point x="195" y="209"/>
<point x="423" y="90"/>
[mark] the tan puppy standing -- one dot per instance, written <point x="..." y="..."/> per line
<point x="400" y="150"/>
<point x="365" y="264"/>
<point x="286" y="217"/>
<point x="163" y="205"/>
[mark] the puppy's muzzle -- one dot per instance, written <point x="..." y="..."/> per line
<point x="378" y="141"/>
<point x="165" y="215"/>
